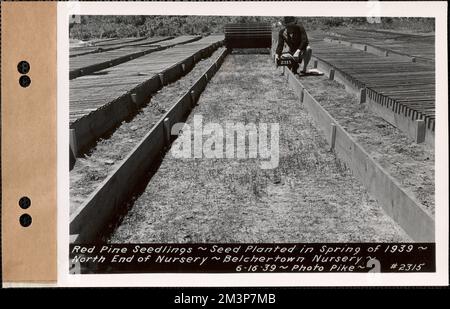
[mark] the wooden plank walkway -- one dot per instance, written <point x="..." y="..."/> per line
<point x="93" y="62"/>
<point x="102" y="49"/>
<point x="90" y="92"/>
<point x="94" y="45"/>
<point x="414" y="45"/>
<point x="406" y="87"/>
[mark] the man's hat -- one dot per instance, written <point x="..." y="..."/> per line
<point x="288" y="20"/>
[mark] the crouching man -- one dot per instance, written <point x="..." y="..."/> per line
<point x="294" y="35"/>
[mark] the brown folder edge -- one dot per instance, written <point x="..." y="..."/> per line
<point x="28" y="142"/>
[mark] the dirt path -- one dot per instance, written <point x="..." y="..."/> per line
<point x="409" y="163"/>
<point x="310" y="197"/>
<point x="91" y="170"/>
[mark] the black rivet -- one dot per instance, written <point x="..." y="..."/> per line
<point x="24" y="202"/>
<point x="24" y="81"/>
<point x="23" y="67"/>
<point x="25" y="220"/>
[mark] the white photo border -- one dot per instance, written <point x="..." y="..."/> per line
<point x="435" y="9"/>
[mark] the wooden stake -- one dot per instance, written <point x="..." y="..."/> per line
<point x="167" y="130"/>
<point x="333" y="137"/>
<point x="362" y="95"/>
<point x="134" y="98"/>
<point x="331" y="77"/>
<point x="420" y="131"/>
<point x="72" y="159"/>
<point x="193" y="101"/>
<point x="73" y="142"/>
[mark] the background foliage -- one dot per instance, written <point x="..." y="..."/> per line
<point x="119" y="26"/>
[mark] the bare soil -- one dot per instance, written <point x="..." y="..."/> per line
<point x="91" y="170"/>
<point x="310" y="197"/>
<point x="409" y="163"/>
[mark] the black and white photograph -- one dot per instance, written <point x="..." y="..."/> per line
<point x="224" y="152"/>
<point x="230" y="144"/>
